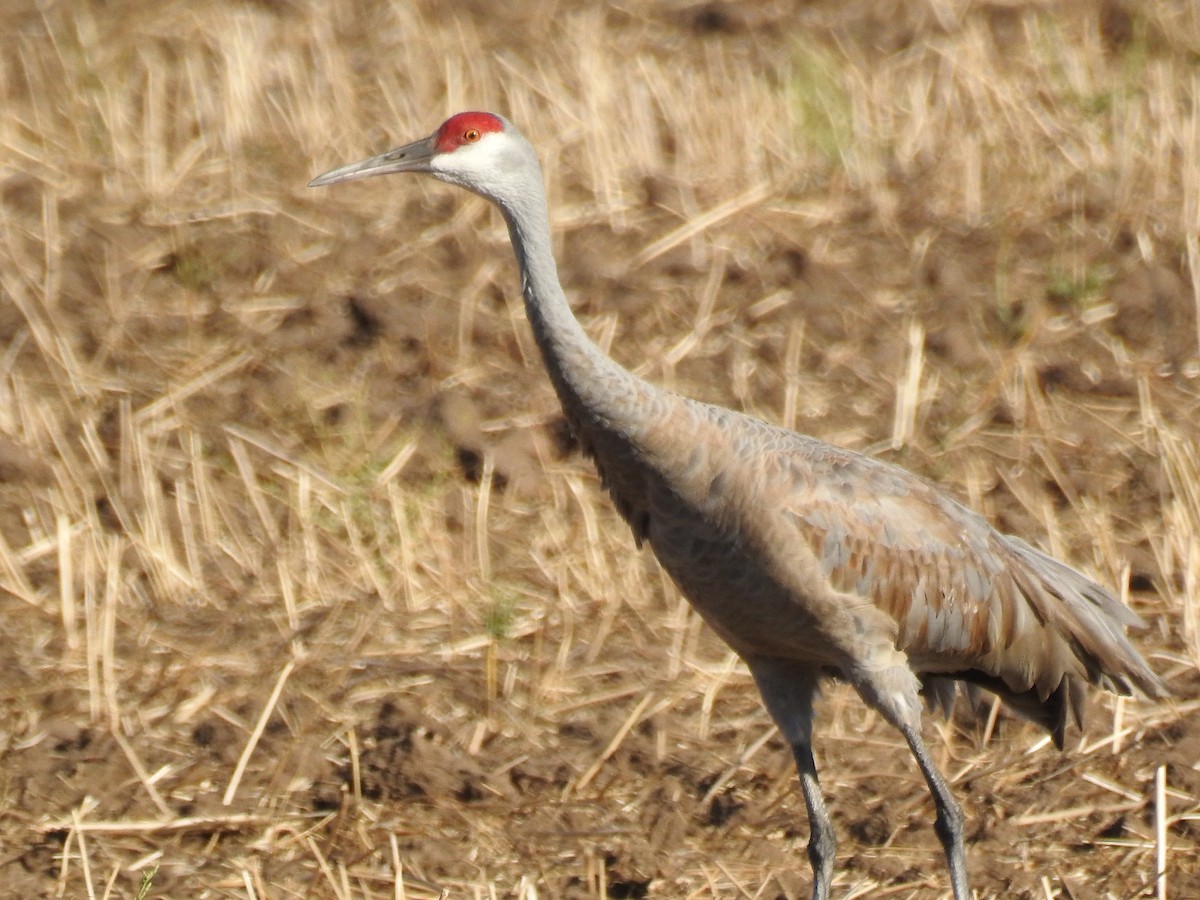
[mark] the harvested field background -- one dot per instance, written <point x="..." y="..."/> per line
<point x="304" y="590"/>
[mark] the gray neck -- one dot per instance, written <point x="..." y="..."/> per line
<point x="591" y="387"/>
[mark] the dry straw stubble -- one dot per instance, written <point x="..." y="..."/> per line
<point x="301" y="590"/>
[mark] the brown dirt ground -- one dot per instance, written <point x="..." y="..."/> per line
<point x="549" y="721"/>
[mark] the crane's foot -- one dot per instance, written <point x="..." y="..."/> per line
<point x="821" y="853"/>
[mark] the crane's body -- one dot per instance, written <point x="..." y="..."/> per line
<point x="807" y="559"/>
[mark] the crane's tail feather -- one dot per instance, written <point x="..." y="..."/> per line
<point x="1062" y="708"/>
<point x="1081" y="642"/>
<point x="1091" y="623"/>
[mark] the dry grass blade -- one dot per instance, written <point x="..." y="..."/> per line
<point x="634" y="717"/>
<point x="909" y="394"/>
<point x="698" y="224"/>
<point x="1160" y="832"/>
<point x="142" y="775"/>
<point x="256" y="734"/>
<point x="84" y="858"/>
<point x="1181" y="463"/>
<point x="231" y="822"/>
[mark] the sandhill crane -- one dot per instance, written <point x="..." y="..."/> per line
<point x="807" y="559"/>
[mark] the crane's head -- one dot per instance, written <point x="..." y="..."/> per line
<point x="477" y="150"/>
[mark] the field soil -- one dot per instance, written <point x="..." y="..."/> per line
<point x="306" y="589"/>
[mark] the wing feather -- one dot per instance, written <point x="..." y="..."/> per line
<point x="967" y="600"/>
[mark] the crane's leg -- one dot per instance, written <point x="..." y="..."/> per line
<point x="949" y="821"/>
<point x="893" y="691"/>
<point x="822" y="843"/>
<point x="788" y="694"/>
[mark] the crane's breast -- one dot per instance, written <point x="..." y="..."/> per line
<point x="737" y="593"/>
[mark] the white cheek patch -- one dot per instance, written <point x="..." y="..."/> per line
<point x="481" y="159"/>
<point x="495" y="166"/>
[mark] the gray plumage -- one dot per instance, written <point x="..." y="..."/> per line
<point x="807" y="559"/>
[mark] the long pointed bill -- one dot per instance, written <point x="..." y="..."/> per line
<point x="412" y="157"/>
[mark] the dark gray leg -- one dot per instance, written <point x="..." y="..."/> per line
<point x="788" y="694"/>
<point x="822" y="843"/>
<point x="949" y="821"/>
<point x="893" y="691"/>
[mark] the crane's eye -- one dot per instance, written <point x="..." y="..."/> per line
<point x="471" y="135"/>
